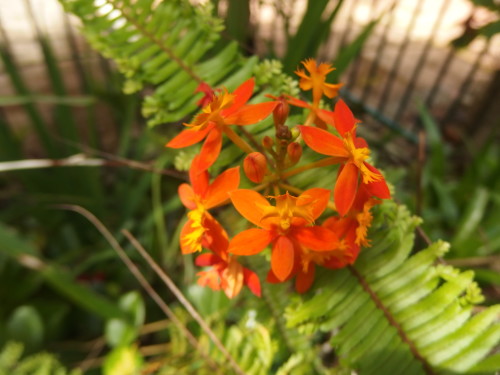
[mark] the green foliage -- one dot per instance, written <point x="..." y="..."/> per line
<point x="12" y="363"/>
<point x="393" y="310"/>
<point x="165" y="44"/>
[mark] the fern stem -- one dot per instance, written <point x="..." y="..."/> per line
<point x="159" y="43"/>
<point x="426" y="366"/>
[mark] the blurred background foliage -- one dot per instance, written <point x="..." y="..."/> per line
<point x="62" y="287"/>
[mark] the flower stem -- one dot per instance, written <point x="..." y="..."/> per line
<point x="237" y="140"/>
<point x="317" y="164"/>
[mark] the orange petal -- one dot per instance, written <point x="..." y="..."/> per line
<point x="250" y="114"/>
<point x="250" y="242"/>
<point x="217" y="191"/>
<point x="251" y="280"/>
<point x="241" y="96"/>
<point x="232" y="278"/>
<point x="345" y="188"/>
<point x="210" y="149"/>
<point x="331" y="90"/>
<point x="323" y="142"/>
<point x="198" y="177"/>
<point x="325" y="116"/>
<point x="209" y="278"/>
<point x="207" y="259"/>
<point x="297" y="102"/>
<point x="316" y="238"/>
<point x="316" y="198"/>
<point x="304" y="280"/>
<point x="343" y="117"/>
<point x="215" y="237"/>
<point x="377" y="188"/>
<point x="187" y="196"/>
<point x="188" y="137"/>
<point x="282" y="257"/>
<point x="250" y="204"/>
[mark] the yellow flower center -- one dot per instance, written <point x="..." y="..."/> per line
<point x="286" y="209"/>
<point x="364" y="220"/>
<point x="358" y="157"/>
<point x="211" y="112"/>
<point x="194" y="238"/>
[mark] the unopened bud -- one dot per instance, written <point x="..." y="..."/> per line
<point x="281" y="111"/>
<point x="255" y="166"/>
<point x="282" y="132"/>
<point x="267" y="142"/>
<point x="294" y="152"/>
<point x="295" y="132"/>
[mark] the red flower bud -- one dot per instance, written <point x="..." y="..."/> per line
<point x="255" y="166"/>
<point x="294" y="152"/>
<point x="280" y="113"/>
<point x="267" y="142"/>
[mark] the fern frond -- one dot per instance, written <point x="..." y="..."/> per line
<point x="165" y="44"/>
<point x="11" y="362"/>
<point x="397" y="313"/>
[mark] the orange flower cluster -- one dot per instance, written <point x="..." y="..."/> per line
<point x="286" y="223"/>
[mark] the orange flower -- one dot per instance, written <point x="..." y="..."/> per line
<point x="208" y="94"/>
<point x="353" y="151"/>
<point x="317" y="80"/>
<point x="226" y="272"/>
<point x="223" y="110"/>
<point x="287" y="226"/>
<point x="199" y="197"/>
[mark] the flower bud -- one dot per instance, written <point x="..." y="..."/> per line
<point x="267" y="142"/>
<point x="294" y="152"/>
<point x="295" y="132"/>
<point x="255" y="166"/>
<point x="280" y="113"/>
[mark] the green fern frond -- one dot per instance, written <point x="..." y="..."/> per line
<point x="397" y="313"/>
<point x="165" y="44"/>
<point x="11" y="363"/>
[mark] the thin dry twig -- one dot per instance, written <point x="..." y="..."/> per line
<point x="180" y="296"/>
<point x="142" y="280"/>
<point x="82" y="160"/>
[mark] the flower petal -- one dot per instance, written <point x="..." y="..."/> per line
<point x="241" y="96"/>
<point x="188" y="137"/>
<point x="343" y="117"/>
<point x="207" y="259"/>
<point x="198" y="177"/>
<point x="345" y="188"/>
<point x="250" y="114"/>
<point x="323" y="142"/>
<point x="250" y="204"/>
<point x="250" y="241"/>
<point x="215" y="237"/>
<point x="210" y="149"/>
<point x="232" y="278"/>
<point x="218" y="190"/>
<point x="251" y="280"/>
<point x="304" y="280"/>
<point x="316" y="198"/>
<point x="377" y="188"/>
<point x="187" y="196"/>
<point x="315" y="238"/>
<point x="282" y="257"/>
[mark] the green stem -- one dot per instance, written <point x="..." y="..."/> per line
<point x="237" y="140"/>
<point x="317" y="164"/>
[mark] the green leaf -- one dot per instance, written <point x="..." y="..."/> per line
<point x="123" y="360"/>
<point x="25" y="325"/>
<point x="393" y="310"/>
